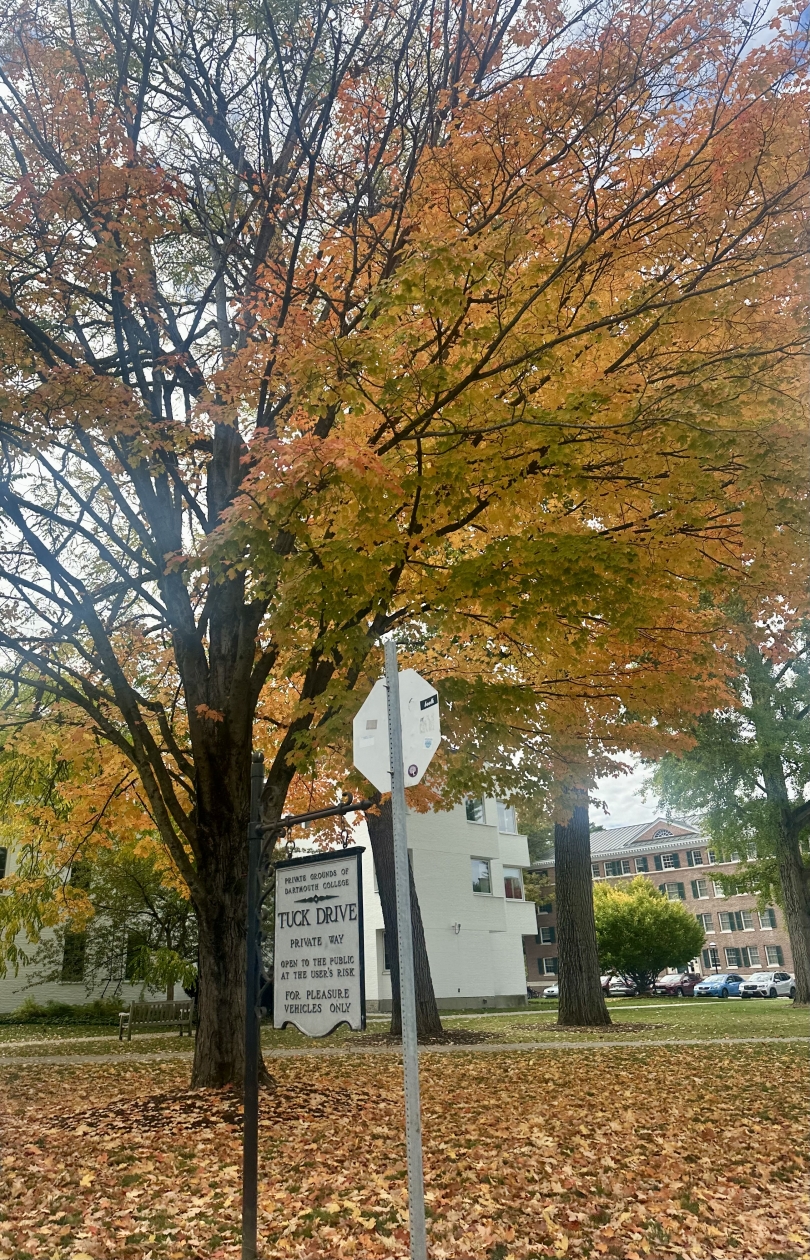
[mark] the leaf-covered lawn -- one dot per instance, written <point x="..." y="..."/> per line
<point x="667" y="1151"/>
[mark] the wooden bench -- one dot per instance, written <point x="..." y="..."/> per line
<point x="153" y="1015"/>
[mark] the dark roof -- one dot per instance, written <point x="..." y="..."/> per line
<point x="640" y="838"/>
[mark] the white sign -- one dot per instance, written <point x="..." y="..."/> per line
<point x="421" y="734"/>
<point x="318" y="975"/>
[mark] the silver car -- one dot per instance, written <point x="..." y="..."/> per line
<point x="768" y="984"/>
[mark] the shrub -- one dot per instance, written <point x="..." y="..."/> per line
<point x="639" y="932"/>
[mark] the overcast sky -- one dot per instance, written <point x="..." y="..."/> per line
<point x="623" y="798"/>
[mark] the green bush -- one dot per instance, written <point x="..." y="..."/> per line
<point x="639" y="932"/>
<point x="100" y="1011"/>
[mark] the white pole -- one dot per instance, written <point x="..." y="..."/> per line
<point x="407" y="987"/>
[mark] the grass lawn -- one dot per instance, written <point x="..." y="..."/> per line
<point x="652" y="1152"/>
<point x="659" y="1019"/>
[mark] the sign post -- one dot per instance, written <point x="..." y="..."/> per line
<point x="261" y="842"/>
<point x="407" y="987"/>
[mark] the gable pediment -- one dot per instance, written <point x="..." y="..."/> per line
<point x="662" y="829"/>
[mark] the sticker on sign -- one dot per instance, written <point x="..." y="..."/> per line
<point x="421" y="733"/>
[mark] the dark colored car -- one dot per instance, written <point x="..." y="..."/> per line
<point x="679" y="984"/>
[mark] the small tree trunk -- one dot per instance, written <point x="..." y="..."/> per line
<point x="582" y="1002"/>
<point x="381" y="835"/>
<point x="169" y="992"/>
<point x="793" y="877"/>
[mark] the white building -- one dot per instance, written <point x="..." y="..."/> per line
<point x="468" y="869"/>
<point x="70" y="987"/>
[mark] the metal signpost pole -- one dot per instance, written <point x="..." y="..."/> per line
<point x="250" y="1141"/>
<point x="407" y="987"/>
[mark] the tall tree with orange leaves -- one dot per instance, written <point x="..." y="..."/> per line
<point x="317" y="322"/>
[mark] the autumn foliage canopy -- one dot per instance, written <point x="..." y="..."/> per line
<point x="484" y="323"/>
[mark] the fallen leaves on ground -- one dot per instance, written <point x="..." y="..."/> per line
<point x="654" y="1152"/>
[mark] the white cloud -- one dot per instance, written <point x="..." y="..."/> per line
<point x="623" y="798"/>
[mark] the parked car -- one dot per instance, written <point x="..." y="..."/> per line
<point x="621" y="986"/>
<point x="726" y="984"/>
<point x="769" y="984"/>
<point x="553" y="990"/>
<point x="679" y="984"/>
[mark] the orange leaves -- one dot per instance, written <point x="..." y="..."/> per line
<point x="208" y="714"/>
<point x="527" y="1156"/>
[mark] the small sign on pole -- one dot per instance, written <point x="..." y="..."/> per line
<point x="318" y="977"/>
<point x="421" y="731"/>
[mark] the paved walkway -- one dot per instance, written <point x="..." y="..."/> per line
<point x="500" y="1047"/>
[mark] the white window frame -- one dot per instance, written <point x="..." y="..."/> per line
<point x="733" y="949"/>
<point x="774" y="962"/>
<point x="511" y="871"/>
<point x="482" y="802"/>
<point x="644" y="869"/>
<point x="726" y="914"/>
<point x="547" y="969"/>
<point x="488" y="863"/>
<point x="701" y="918"/>
<point x="766" y="926"/>
<point x="674" y="883"/>
<point x="506" y="815"/>
<point x="718" y="890"/>
<point x="701" y="896"/>
<point x="546" y="936"/>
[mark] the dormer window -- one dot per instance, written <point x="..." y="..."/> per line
<point x="661" y="834"/>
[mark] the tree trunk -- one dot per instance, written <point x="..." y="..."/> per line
<point x="219" y="1047"/>
<point x="381" y="835"/>
<point x="582" y="1002"/>
<point x="793" y="877"/>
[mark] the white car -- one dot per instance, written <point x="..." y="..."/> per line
<point x="768" y="984"/>
<point x="553" y="990"/>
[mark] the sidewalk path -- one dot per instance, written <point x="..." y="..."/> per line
<point x="501" y="1047"/>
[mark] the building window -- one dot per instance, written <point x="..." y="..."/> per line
<point x="661" y="833"/>
<point x="694" y="857"/>
<point x="481" y="881"/>
<point x="734" y="856"/>
<point x="774" y="956"/>
<point x="752" y="953"/>
<point x="595" y="871"/>
<point x="673" y="892"/>
<point x="544" y="909"/>
<point x="711" y="958"/>
<point x="712" y="856"/>
<point x="742" y="956"/>
<point x="667" y="861"/>
<point x="73" y="957"/>
<point x="733" y="957"/>
<point x="705" y="921"/>
<point x="3" y="862"/>
<point x="512" y="883"/>
<point x="736" y="921"/>
<point x="700" y="889"/>
<point x="718" y="889"/>
<point x="767" y="918"/>
<point x="548" y="936"/>
<point x="549" y="966"/>
<point x="507" y="821"/>
<point x="621" y="867"/>
<point x="642" y="865"/>
<point x="474" y="809"/>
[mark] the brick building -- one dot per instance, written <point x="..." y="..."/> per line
<point x="682" y="864"/>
